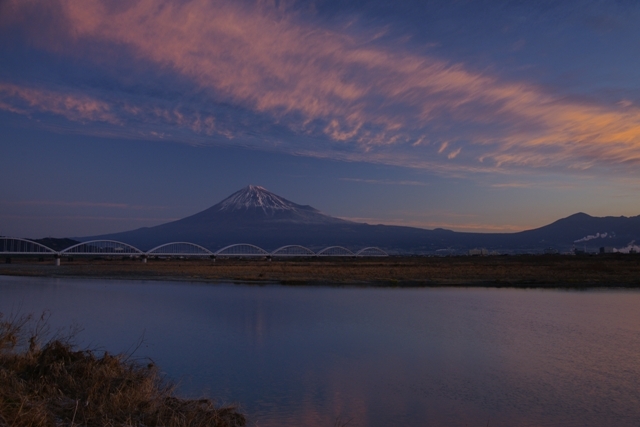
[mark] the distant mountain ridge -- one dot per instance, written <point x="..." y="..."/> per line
<point x="255" y="215"/>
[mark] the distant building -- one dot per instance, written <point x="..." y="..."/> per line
<point x="551" y="251"/>
<point x="607" y="250"/>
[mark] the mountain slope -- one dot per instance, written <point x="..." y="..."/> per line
<point x="581" y="229"/>
<point x="256" y="205"/>
<point x="255" y="215"/>
<point x="251" y="215"/>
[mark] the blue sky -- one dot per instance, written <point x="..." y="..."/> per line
<point x="468" y="115"/>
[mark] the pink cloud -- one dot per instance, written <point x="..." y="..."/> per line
<point x="76" y="107"/>
<point x="96" y="107"/>
<point x="337" y="83"/>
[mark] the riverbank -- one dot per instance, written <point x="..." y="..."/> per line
<point x="615" y="270"/>
<point x="52" y="383"/>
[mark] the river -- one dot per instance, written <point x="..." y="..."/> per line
<point x="351" y="356"/>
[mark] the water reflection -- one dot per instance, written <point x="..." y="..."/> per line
<point x="377" y="357"/>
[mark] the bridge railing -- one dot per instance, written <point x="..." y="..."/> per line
<point x="371" y="251"/>
<point x="19" y="246"/>
<point x="335" y="251"/>
<point x="184" y="249"/>
<point x="293" y="251"/>
<point x="242" y="250"/>
<point x="102" y="247"/>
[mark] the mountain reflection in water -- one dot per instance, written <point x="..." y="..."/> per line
<point x="308" y="356"/>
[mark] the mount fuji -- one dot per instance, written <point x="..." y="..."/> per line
<point x="251" y="215"/>
<point x="255" y="215"/>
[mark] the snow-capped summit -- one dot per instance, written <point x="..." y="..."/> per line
<point x="256" y="197"/>
<point x="254" y="205"/>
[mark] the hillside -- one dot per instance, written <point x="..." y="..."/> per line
<point x="255" y="215"/>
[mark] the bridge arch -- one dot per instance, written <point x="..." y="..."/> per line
<point x="335" y="251"/>
<point x="242" y="250"/>
<point x="179" y="249"/>
<point x="371" y="251"/>
<point x="293" y="251"/>
<point x="18" y="246"/>
<point x="102" y="247"/>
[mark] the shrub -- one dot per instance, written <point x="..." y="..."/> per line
<point x="56" y="384"/>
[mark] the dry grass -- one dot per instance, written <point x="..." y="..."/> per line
<point x="517" y="271"/>
<point x="58" y="385"/>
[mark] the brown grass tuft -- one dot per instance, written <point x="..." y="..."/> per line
<point x="58" y="385"/>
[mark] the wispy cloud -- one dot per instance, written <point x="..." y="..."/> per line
<point x="556" y="184"/>
<point x="129" y="116"/>
<point x="454" y="153"/>
<point x="515" y="185"/>
<point x="153" y="221"/>
<point x="82" y="204"/>
<point x="385" y="181"/>
<point x="73" y="106"/>
<point x="342" y="92"/>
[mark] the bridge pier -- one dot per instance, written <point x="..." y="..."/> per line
<point x="144" y="259"/>
<point x="57" y="258"/>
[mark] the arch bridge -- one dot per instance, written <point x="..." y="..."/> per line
<point x="184" y="249"/>
<point x="101" y="247"/>
<point x="17" y="246"/>
<point x="292" y="251"/>
<point x="10" y="246"/>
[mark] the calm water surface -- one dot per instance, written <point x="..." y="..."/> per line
<point x="308" y="356"/>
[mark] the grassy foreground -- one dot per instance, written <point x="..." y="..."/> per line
<point x="57" y="385"/>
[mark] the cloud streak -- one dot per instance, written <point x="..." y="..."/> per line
<point x="152" y="221"/>
<point x="386" y="182"/>
<point x="83" y="204"/>
<point x="76" y="107"/>
<point x="339" y="91"/>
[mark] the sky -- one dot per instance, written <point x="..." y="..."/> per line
<point x="486" y="116"/>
